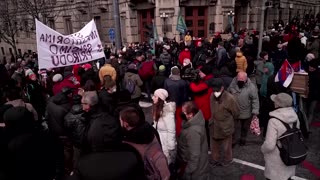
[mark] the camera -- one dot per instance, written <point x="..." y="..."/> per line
<point x="191" y="74"/>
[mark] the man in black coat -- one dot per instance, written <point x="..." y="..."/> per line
<point x="104" y="155"/>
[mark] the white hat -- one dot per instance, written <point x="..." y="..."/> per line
<point x="283" y="100"/>
<point x="57" y="78"/>
<point x="162" y="94"/>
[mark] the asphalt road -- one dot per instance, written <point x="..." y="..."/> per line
<point x="251" y="154"/>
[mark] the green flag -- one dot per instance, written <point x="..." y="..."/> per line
<point x="181" y="24"/>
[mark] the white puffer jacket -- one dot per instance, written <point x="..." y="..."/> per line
<point x="166" y="128"/>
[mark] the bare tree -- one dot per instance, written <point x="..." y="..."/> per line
<point x="40" y="9"/>
<point x="9" y="23"/>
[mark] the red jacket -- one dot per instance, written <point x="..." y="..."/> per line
<point x="65" y="83"/>
<point x="183" y="55"/>
<point x="202" y="93"/>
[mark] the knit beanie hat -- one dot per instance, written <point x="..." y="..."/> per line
<point x="162" y="68"/>
<point x="57" y="78"/>
<point x="162" y="94"/>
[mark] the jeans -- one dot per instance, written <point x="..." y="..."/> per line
<point x="226" y="145"/>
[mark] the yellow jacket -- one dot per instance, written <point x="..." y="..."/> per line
<point x="241" y="62"/>
<point x="107" y="69"/>
<point x="187" y="38"/>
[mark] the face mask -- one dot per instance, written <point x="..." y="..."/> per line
<point x="114" y="90"/>
<point x="217" y="94"/>
<point x="241" y="84"/>
<point x="183" y="116"/>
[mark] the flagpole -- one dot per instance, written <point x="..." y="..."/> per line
<point x="116" y="16"/>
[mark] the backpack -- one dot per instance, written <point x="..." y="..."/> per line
<point x="151" y="155"/>
<point x="153" y="159"/>
<point x="146" y="71"/>
<point x="293" y="149"/>
<point x="130" y="86"/>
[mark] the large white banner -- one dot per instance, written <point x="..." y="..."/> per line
<point x="57" y="50"/>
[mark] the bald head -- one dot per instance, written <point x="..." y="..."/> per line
<point x="242" y="76"/>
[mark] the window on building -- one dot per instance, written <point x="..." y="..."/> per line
<point x="189" y="11"/>
<point x="2" y="50"/>
<point x="10" y="50"/>
<point x="20" y="52"/>
<point x="68" y="25"/>
<point x="97" y="20"/>
<point x="26" y="29"/>
<point x="52" y="24"/>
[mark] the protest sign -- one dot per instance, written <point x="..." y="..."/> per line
<point x="57" y="50"/>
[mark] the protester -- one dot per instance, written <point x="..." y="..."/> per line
<point x="222" y="56"/>
<point x="241" y="62"/>
<point x="142" y="136"/>
<point x="259" y="63"/>
<point x="178" y="90"/>
<point x="164" y="122"/>
<point x="107" y="69"/>
<point x="246" y="95"/>
<point x="159" y="79"/>
<point x="184" y="54"/>
<point x="192" y="154"/>
<point x="107" y="96"/>
<point x="275" y="168"/>
<point x="133" y="83"/>
<point x="225" y="110"/>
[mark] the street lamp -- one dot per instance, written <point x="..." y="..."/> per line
<point x="164" y="16"/>
<point x="230" y="18"/>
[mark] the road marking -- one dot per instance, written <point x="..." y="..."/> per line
<point x="260" y="167"/>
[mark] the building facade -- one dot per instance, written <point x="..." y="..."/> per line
<point x="203" y="18"/>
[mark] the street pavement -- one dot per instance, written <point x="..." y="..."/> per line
<point x="249" y="159"/>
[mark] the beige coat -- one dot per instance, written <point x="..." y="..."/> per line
<point x="275" y="168"/>
<point x="241" y="62"/>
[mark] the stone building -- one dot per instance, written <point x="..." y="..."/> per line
<point x="203" y="18"/>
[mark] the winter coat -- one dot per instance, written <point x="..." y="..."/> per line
<point x="259" y="70"/>
<point x="108" y="101"/>
<point x="116" y="163"/>
<point x="74" y="124"/>
<point x="200" y="57"/>
<point x="166" y="128"/>
<point x="225" y="110"/>
<point x="241" y="62"/>
<point x="201" y="94"/>
<point x="177" y="89"/>
<point x="158" y="81"/>
<point x="222" y="57"/>
<point x="104" y="156"/>
<point x="36" y="98"/>
<point x="275" y="168"/>
<point x="313" y="47"/>
<point x="143" y="137"/>
<point x="278" y="59"/>
<point x="135" y="78"/>
<point x="247" y="98"/>
<point x="165" y="58"/>
<point x="58" y="106"/>
<point x="265" y="78"/>
<point x="184" y="55"/>
<point x="193" y="148"/>
<point x="21" y="103"/>
<point x="31" y="153"/>
<point x="107" y="69"/>
<point x="57" y="87"/>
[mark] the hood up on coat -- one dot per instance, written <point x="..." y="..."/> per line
<point x="169" y="107"/>
<point x="287" y="115"/>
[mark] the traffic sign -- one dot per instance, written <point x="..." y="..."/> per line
<point x="112" y="34"/>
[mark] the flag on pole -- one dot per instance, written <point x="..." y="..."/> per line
<point x="181" y="24"/>
<point x="285" y="74"/>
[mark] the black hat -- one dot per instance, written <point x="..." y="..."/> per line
<point x="216" y="84"/>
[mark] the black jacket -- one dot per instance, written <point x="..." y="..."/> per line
<point x="158" y="81"/>
<point x="108" y="101"/>
<point x="178" y="90"/>
<point x="58" y="106"/>
<point x="74" y="124"/>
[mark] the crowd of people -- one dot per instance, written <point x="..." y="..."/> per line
<point x="85" y="122"/>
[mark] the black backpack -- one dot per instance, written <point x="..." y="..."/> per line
<point x="293" y="149"/>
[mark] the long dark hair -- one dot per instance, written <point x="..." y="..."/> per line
<point x="157" y="109"/>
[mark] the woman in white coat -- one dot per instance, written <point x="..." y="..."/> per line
<point x="275" y="168"/>
<point x="164" y="122"/>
